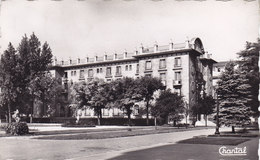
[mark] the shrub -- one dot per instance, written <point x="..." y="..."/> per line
<point x="17" y="128"/>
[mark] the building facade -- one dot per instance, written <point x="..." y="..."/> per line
<point x="184" y="68"/>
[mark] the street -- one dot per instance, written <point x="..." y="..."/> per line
<point x="25" y="148"/>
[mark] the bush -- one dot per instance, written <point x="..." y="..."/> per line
<point x="17" y="128"/>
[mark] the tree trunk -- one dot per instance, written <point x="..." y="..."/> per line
<point x="9" y="113"/>
<point x="128" y="110"/>
<point x="32" y="105"/>
<point x="155" y="123"/>
<point x="233" y="129"/>
<point x="147" y="113"/>
<point x="99" y="116"/>
<point x="98" y="119"/>
<point x="206" y="119"/>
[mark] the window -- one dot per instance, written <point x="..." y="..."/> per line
<point x="148" y="75"/>
<point x="130" y="67"/>
<point x="97" y="70"/>
<point x="118" y="70"/>
<point x="117" y="112"/>
<point x="81" y="74"/>
<point x="136" y="110"/>
<point x="90" y="73"/>
<point x="126" y="67"/>
<point x="108" y="73"/>
<point x="162" y="63"/>
<point x="105" y="112"/>
<point x="148" y="65"/>
<point x="163" y="78"/>
<point x="65" y="75"/>
<point x="100" y="70"/>
<point x="177" y="76"/>
<point x="87" y="112"/>
<point x="73" y="73"/>
<point x="137" y="68"/>
<point x="177" y="62"/>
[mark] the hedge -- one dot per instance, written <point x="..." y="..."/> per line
<point x="92" y="121"/>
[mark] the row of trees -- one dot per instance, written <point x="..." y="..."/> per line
<point x="24" y="81"/>
<point x="238" y="88"/>
<point x="124" y="93"/>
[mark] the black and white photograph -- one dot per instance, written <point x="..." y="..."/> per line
<point x="129" y="79"/>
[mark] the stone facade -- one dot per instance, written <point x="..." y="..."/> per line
<point x="179" y="66"/>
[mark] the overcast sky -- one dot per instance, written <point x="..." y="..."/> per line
<point x="76" y="28"/>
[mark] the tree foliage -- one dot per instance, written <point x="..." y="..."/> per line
<point x="207" y="104"/>
<point x="248" y="65"/>
<point x="126" y="94"/>
<point x="27" y="63"/>
<point x="48" y="91"/>
<point x="168" y="104"/>
<point x="8" y="80"/>
<point x="95" y="94"/>
<point x="233" y="92"/>
<point x="147" y="87"/>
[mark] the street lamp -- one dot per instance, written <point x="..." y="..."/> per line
<point x="217" y="124"/>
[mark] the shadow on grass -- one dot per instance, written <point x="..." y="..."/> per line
<point x="215" y="141"/>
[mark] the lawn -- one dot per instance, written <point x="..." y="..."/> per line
<point x="215" y="141"/>
<point x="114" y="133"/>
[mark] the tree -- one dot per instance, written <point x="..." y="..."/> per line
<point x="95" y="94"/>
<point x="233" y="96"/>
<point x="147" y="87"/>
<point x="33" y="62"/>
<point x="48" y="91"/>
<point x="248" y="64"/>
<point x="8" y="79"/>
<point x="126" y="95"/>
<point x="207" y="106"/>
<point x="167" y="105"/>
<point x="100" y="97"/>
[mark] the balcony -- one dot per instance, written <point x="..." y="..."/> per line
<point x="177" y="82"/>
<point x="118" y="75"/>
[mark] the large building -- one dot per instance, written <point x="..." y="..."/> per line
<point x="184" y="68"/>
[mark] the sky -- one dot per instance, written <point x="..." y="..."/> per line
<point x="81" y="28"/>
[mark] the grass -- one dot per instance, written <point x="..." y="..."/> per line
<point x="115" y="133"/>
<point x="215" y="141"/>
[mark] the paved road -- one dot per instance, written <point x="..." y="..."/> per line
<point x="191" y="152"/>
<point x="31" y="149"/>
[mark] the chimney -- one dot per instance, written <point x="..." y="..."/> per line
<point x="155" y="48"/>
<point x="171" y="45"/>
<point x="125" y="54"/>
<point x="96" y="58"/>
<point x="87" y="59"/>
<point x="78" y="60"/>
<point x="136" y="51"/>
<point x="115" y="56"/>
<point x="141" y="48"/>
<point x="187" y="44"/>
<point x="105" y="56"/>
<point x="55" y="61"/>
